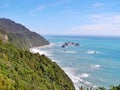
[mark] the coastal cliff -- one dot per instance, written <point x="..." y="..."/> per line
<point x="20" y="36"/>
<point x="23" y="70"/>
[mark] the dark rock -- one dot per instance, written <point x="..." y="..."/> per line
<point x="63" y="46"/>
<point x="77" y="44"/>
<point x="70" y="44"/>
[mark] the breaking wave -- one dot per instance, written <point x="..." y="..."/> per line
<point x="95" y="66"/>
<point x="65" y="51"/>
<point x="78" y="80"/>
<point x="92" y="52"/>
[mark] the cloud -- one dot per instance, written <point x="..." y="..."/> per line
<point x="100" y="25"/>
<point x="54" y="4"/>
<point x="106" y="18"/>
<point x="37" y="9"/>
<point x="47" y="5"/>
<point x="98" y="4"/>
<point x="96" y="16"/>
<point x="41" y="7"/>
<point x="102" y="29"/>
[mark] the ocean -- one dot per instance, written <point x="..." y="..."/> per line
<point x="95" y="63"/>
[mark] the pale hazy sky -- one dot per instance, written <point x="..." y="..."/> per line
<point x="68" y="17"/>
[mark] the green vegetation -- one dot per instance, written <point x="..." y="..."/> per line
<point x="26" y="40"/>
<point x="101" y="88"/>
<point x="22" y="70"/>
<point x="20" y="36"/>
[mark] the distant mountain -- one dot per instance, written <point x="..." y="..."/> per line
<point x="20" y="36"/>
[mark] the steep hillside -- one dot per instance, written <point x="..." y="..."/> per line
<point x="20" y="36"/>
<point x="22" y="70"/>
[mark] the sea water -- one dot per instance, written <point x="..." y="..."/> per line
<point x="95" y="63"/>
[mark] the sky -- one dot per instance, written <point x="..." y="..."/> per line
<point x="65" y="17"/>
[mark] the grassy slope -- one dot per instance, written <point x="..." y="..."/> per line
<point x="26" y="40"/>
<point x="22" y="70"/>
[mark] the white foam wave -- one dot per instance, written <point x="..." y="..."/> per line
<point x="78" y="80"/>
<point x="65" y="51"/>
<point x="85" y="75"/>
<point x="95" y="87"/>
<point x="54" y="60"/>
<point x="75" y="79"/>
<point x="35" y="50"/>
<point x="40" y="51"/>
<point x="95" y="66"/>
<point x="59" y="43"/>
<point x="88" y="83"/>
<point x="92" y="52"/>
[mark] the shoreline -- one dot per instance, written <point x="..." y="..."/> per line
<point x="41" y="52"/>
<point x="36" y="49"/>
<point x="74" y="78"/>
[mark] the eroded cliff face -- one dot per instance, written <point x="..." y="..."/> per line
<point x="4" y="38"/>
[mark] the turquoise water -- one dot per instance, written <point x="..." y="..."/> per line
<point x="96" y="62"/>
